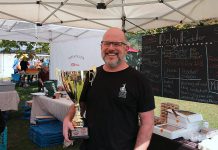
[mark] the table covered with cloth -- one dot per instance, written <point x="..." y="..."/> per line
<point x="162" y="143"/>
<point x="43" y="105"/>
<point x="9" y="100"/>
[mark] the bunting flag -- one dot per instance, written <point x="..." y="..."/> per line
<point x="130" y="49"/>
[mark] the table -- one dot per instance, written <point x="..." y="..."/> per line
<point x="9" y="100"/>
<point x="26" y="74"/>
<point x="43" y="105"/>
<point x="161" y="143"/>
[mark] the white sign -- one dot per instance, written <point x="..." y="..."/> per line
<point x="78" y="54"/>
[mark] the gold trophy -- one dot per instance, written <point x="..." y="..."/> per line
<point x="73" y="82"/>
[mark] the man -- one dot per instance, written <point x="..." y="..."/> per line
<point x="43" y="76"/>
<point x="24" y="66"/>
<point x="113" y="102"/>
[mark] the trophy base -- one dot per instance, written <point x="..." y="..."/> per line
<point x="78" y="133"/>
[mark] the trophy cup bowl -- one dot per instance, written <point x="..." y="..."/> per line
<point x="73" y="82"/>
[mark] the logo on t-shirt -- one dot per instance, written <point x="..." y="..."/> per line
<point x="122" y="93"/>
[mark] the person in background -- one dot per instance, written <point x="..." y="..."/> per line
<point x="41" y="61"/>
<point x="16" y="63"/>
<point x="38" y="64"/>
<point x="24" y="66"/>
<point x="31" y="66"/>
<point x="117" y="99"/>
<point x="43" y="76"/>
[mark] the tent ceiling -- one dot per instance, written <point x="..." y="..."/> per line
<point x="25" y="31"/>
<point x="131" y="15"/>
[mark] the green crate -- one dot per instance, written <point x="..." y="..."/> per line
<point x="3" y="140"/>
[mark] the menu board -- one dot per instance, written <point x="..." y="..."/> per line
<point x="183" y="64"/>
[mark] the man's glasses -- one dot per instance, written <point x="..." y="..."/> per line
<point x="114" y="44"/>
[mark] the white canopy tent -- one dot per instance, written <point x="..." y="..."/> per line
<point x="25" y="31"/>
<point x="71" y="48"/>
<point x="131" y="15"/>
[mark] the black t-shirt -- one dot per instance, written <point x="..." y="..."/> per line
<point x="24" y="65"/>
<point x="112" y="106"/>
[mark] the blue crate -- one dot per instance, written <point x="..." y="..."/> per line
<point x="3" y="140"/>
<point x="46" y="121"/>
<point x="15" y="78"/>
<point x="26" y="114"/>
<point x="26" y="108"/>
<point x="47" y="134"/>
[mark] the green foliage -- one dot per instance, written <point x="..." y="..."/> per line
<point x="18" y="129"/>
<point x="208" y="111"/>
<point x="7" y="45"/>
<point x="134" y="59"/>
<point x="11" y="46"/>
<point x="42" y="48"/>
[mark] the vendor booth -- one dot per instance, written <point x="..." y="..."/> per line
<point x="79" y="49"/>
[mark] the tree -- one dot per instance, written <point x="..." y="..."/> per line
<point x="7" y="45"/>
<point x="18" y="46"/>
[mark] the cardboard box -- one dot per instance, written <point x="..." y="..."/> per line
<point x="185" y="117"/>
<point x="194" y="126"/>
<point x="169" y="131"/>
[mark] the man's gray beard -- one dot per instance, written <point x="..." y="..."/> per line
<point x="113" y="64"/>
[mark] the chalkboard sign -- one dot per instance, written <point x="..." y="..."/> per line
<point x="183" y="64"/>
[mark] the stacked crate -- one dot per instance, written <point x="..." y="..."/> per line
<point x="163" y="109"/>
<point x="46" y="133"/>
<point x="27" y="110"/>
<point x="3" y="140"/>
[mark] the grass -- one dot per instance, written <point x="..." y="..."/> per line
<point x="208" y="111"/>
<point x="18" y="129"/>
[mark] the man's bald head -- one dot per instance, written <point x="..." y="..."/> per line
<point x="114" y="35"/>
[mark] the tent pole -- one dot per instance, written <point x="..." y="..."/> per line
<point x="123" y="23"/>
<point x="61" y="5"/>
<point x="135" y="25"/>
<point x="177" y="10"/>
<point x="81" y="18"/>
<point x="164" y="14"/>
<point x="9" y="30"/>
<point x="123" y="18"/>
<point x="1" y="25"/>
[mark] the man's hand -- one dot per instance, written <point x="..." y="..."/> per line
<point x="145" y="130"/>
<point x="67" y="125"/>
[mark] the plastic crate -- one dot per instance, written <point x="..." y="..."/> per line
<point x="26" y="112"/>
<point x="3" y="140"/>
<point x="26" y="108"/>
<point x="47" y="134"/>
<point x="47" y="121"/>
<point x="15" y="78"/>
<point x="26" y="115"/>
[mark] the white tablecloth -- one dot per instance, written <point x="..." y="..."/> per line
<point x="9" y="100"/>
<point x="43" y="105"/>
